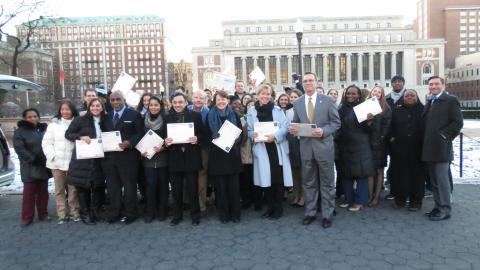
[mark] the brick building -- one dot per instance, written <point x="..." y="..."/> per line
<point x="464" y="80"/>
<point x="92" y="50"/>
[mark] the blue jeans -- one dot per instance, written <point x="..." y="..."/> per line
<point x="359" y="195"/>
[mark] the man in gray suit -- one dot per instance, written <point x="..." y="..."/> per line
<point x="317" y="152"/>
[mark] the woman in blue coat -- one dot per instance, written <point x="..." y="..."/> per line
<point x="271" y="162"/>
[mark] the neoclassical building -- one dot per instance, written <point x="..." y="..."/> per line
<point x="365" y="51"/>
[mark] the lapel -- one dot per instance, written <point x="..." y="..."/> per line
<point x="318" y="104"/>
<point x="302" y="110"/>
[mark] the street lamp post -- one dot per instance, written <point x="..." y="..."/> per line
<point x="299" y="30"/>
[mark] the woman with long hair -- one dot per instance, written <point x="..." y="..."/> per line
<point x="58" y="151"/>
<point x="355" y="156"/>
<point x="86" y="174"/>
<point x="27" y="142"/>
<point x="142" y="106"/>
<point x="378" y="140"/>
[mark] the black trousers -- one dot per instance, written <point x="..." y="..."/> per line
<point x="156" y="191"/>
<point x="228" y="196"/>
<point x="274" y="193"/>
<point x="191" y="182"/>
<point x="249" y="193"/>
<point x="90" y="199"/>
<point x="120" y="175"/>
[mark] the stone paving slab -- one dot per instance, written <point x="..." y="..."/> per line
<point x="375" y="238"/>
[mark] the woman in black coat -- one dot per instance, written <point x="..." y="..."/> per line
<point x="184" y="159"/>
<point x="156" y="168"/>
<point x="227" y="166"/>
<point x="86" y="174"/>
<point x="353" y="140"/>
<point x="27" y="142"/>
<point x="406" y="140"/>
<point x="378" y="140"/>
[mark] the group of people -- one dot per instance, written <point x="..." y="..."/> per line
<point x="416" y="137"/>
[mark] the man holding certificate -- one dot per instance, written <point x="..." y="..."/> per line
<point x="317" y="151"/>
<point x="184" y="131"/>
<point x="121" y="167"/>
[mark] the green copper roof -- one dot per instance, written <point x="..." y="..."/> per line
<point x="98" y="20"/>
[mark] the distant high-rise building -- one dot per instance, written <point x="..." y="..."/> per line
<point x="93" y="50"/>
<point x="457" y="21"/>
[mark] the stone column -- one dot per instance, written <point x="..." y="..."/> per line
<point x="349" y="68"/>
<point x="382" y="69"/>
<point x="255" y="62"/>
<point x="279" y="78"/>
<point x="360" y="69"/>
<point x="267" y="68"/>
<point x="394" y="64"/>
<point x="371" y="80"/>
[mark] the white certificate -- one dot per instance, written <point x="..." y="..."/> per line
<point x="368" y="106"/>
<point x="180" y="132"/>
<point x="228" y="134"/>
<point x="304" y="130"/>
<point x="124" y="83"/>
<point x="148" y="142"/>
<point x="223" y="81"/>
<point x="111" y="141"/>
<point x="257" y="76"/>
<point x="92" y="150"/>
<point x="264" y="129"/>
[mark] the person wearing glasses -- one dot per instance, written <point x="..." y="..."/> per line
<point x="317" y="152"/>
<point x="121" y="168"/>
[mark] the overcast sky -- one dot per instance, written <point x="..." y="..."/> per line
<point x="192" y="23"/>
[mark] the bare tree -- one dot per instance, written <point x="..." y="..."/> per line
<point x="182" y="74"/>
<point x="20" y="44"/>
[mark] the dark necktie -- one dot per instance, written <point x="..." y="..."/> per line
<point x="115" y="119"/>
<point x="432" y="100"/>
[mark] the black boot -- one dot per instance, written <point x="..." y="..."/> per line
<point x="87" y="217"/>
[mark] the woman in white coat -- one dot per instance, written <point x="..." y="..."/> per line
<point x="58" y="151"/>
<point x="271" y="163"/>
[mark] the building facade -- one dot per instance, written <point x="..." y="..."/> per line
<point x="463" y="81"/>
<point x="456" y="21"/>
<point x="365" y="51"/>
<point x="93" y="50"/>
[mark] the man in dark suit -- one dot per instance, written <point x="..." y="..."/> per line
<point x="121" y="168"/>
<point x="442" y="122"/>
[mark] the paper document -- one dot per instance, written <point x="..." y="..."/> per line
<point x="304" y="130"/>
<point x="257" y="76"/>
<point x="368" y="106"/>
<point x="180" y="132"/>
<point x="148" y="142"/>
<point x="264" y="129"/>
<point x="223" y="81"/>
<point x="92" y="150"/>
<point x="124" y="83"/>
<point x="228" y="134"/>
<point x="111" y="141"/>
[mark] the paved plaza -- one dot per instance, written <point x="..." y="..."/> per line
<point x="375" y="238"/>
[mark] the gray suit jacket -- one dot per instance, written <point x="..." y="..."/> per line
<point x="326" y="117"/>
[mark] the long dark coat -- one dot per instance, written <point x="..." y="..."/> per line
<point x="84" y="172"/>
<point x="353" y="141"/>
<point x="185" y="157"/>
<point x="224" y="163"/>
<point x="27" y="142"/>
<point x="378" y="138"/>
<point x="406" y="139"/>
<point x="442" y="121"/>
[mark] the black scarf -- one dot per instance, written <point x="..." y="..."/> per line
<point x="264" y="112"/>
<point x="178" y="117"/>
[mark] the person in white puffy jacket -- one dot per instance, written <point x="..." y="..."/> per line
<point x="58" y="151"/>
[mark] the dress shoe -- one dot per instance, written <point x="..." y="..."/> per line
<point x="308" y="220"/>
<point x="25" y="223"/>
<point x="236" y="220"/>
<point x="112" y="220"/>
<point x="267" y="213"/>
<point x="437" y="216"/>
<point x="195" y="221"/>
<point x="277" y="213"/>
<point x="326" y="223"/>
<point x="434" y="211"/>
<point x="88" y="220"/>
<point x="45" y="218"/>
<point x="175" y="221"/>
<point x="161" y="217"/>
<point x="128" y="220"/>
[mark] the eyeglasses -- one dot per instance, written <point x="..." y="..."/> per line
<point x="115" y="99"/>
<point x="311" y="80"/>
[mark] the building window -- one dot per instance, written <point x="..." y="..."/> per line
<point x="259" y="29"/>
<point x="342" y="39"/>
<point x="354" y="39"/>
<point x="271" y="42"/>
<point x="272" y="69"/>
<point x="389" y="25"/>
<point x="312" y="27"/>
<point x="284" y="42"/>
<point x="345" y="26"/>
<point x="269" y="28"/>
<point x="343" y="67"/>
<point x="260" y="43"/>
<point x="376" y="66"/>
<point x="357" y="26"/>
<point x="331" y="67"/>
<point x="376" y="38"/>
<point x="283" y="69"/>
<point x="237" y="43"/>
<point x="330" y="39"/>
<point x="238" y="68"/>
<point x="319" y="67"/>
<point x="307" y="63"/>
<point x="280" y="28"/>
<point x="378" y="25"/>
<point x="290" y="28"/>
<point x="237" y="29"/>
<point x="365" y="38"/>
<point x="335" y="26"/>
<point x="324" y="27"/>
<point x="247" y="29"/>
<point x="388" y="38"/>
<point x="367" y="25"/>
